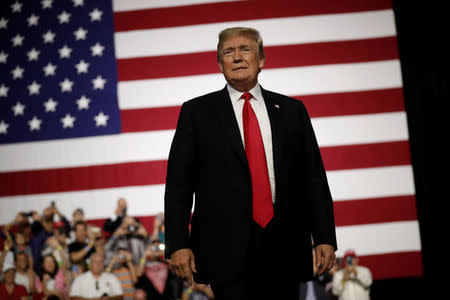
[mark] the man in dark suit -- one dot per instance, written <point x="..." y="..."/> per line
<point x="252" y="161"/>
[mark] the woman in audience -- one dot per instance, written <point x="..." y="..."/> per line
<point x="53" y="279"/>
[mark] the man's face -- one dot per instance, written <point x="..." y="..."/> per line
<point x="240" y="61"/>
<point x="22" y="261"/>
<point x="97" y="263"/>
<point x="80" y="233"/>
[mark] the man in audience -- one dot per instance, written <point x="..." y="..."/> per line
<point x="115" y="221"/>
<point x="24" y="272"/>
<point x="8" y="288"/>
<point x="96" y="283"/>
<point x="79" y="249"/>
<point x="353" y="281"/>
<point x="121" y="265"/>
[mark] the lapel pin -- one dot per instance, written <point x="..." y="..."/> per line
<point x="277" y="106"/>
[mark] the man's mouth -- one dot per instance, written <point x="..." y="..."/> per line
<point x="239" y="68"/>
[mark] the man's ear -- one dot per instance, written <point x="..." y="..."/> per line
<point x="220" y="66"/>
<point x="261" y="63"/>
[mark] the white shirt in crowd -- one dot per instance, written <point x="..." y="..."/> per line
<point x="356" y="288"/>
<point x="86" y="286"/>
<point x="259" y="107"/>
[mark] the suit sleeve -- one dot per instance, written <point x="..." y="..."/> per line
<point x="179" y="190"/>
<point x="318" y="191"/>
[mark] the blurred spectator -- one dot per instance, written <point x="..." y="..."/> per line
<point x="22" y="233"/>
<point x="53" y="278"/>
<point x="155" y="278"/>
<point x="158" y="228"/>
<point x="96" y="283"/>
<point x="42" y="229"/>
<point x="24" y="272"/>
<point x="115" y="221"/>
<point x="121" y="265"/>
<point x="77" y="216"/>
<point x="353" y="281"/>
<point x="82" y="250"/>
<point x="8" y="288"/>
<point x="140" y="294"/>
<point x="78" y="269"/>
<point x="130" y="235"/>
<point x="198" y="292"/>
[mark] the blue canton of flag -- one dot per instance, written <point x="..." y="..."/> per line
<point x="58" y="73"/>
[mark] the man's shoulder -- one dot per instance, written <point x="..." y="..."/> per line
<point x="205" y="99"/>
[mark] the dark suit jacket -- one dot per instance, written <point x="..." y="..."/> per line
<point x="207" y="158"/>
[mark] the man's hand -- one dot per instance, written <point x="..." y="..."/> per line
<point x="182" y="263"/>
<point x="323" y="258"/>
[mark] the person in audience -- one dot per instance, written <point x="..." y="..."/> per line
<point x="8" y="288"/>
<point x="21" y="236"/>
<point x="140" y="294"/>
<point x="115" y="221"/>
<point x="130" y="235"/>
<point x="77" y="216"/>
<point x="121" y="265"/>
<point x="353" y="281"/>
<point x="25" y="274"/>
<point x="155" y="278"/>
<point x="80" y="250"/>
<point x="96" y="284"/>
<point x="53" y="278"/>
<point x="198" y="292"/>
<point x="158" y="228"/>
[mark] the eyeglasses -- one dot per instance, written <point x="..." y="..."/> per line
<point x="96" y="285"/>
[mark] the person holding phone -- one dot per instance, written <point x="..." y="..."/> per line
<point x="353" y="281"/>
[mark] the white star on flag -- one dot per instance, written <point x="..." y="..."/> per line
<point x="96" y="15"/>
<point x="17" y="72"/>
<point x="33" y="55"/>
<point x="4" y="90"/>
<point x="49" y="37"/>
<point x="82" y="67"/>
<point x="66" y="85"/>
<point x="3" y="57"/>
<point x="17" y="40"/>
<point x="33" y="88"/>
<point x="64" y="17"/>
<point x="35" y="124"/>
<point x="78" y="3"/>
<point x="64" y="52"/>
<point x="80" y="34"/>
<point x="16" y="7"/>
<point x="3" y="23"/>
<point x="68" y="121"/>
<point x="50" y="105"/>
<point x="18" y="109"/>
<point x="101" y="119"/>
<point x="83" y="103"/>
<point x="97" y="49"/>
<point x="98" y="83"/>
<point x="4" y="127"/>
<point x="46" y="4"/>
<point x="49" y="69"/>
<point x="33" y="20"/>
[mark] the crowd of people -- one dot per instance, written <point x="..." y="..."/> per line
<point x="46" y="256"/>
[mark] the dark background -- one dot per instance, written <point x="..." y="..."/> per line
<point x="423" y="31"/>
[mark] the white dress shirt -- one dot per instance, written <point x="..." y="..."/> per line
<point x="87" y="286"/>
<point x="259" y="107"/>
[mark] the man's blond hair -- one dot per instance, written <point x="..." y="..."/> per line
<point x="243" y="31"/>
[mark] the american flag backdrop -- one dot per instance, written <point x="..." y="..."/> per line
<point x="90" y="92"/>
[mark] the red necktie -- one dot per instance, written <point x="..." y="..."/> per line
<point x="256" y="157"/>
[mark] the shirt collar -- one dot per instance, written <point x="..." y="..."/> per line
<point x="235" y="95"/>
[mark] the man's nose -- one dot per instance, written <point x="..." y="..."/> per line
<point x="237" y="56"/>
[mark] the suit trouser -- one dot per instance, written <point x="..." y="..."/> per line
<point x="264" y="276"/>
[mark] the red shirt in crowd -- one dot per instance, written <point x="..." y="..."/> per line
<point x="18" y="292"/>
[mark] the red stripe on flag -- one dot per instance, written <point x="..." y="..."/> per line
<point x="277" y="57"/>
<point x="154" y="172"/>
<point x="375" y="210"/>
<point x="147" y="119"/>
<point x="366" y="155"/>
<point x="354" y="103"/>
<point x="393" y="265"/>
<point x="337" y="104"/>
<point x="237" y="11"/>
<point x="82" y="178"/>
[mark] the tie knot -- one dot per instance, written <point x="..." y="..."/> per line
<point x="246" y="96"/>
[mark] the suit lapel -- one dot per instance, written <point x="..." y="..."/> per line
<point x="229" y="123"/>
<point x="274" y="109"/>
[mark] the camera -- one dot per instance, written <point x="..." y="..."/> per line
<point x="27" y="214"/>
<point x="132" y="228"/>
<point x="349" y="260"/>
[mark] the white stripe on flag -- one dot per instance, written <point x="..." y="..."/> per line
<point x="155" y="145"/>
<point x="126" y="5"/>
<point x="294" y="81"/>
<point x="379" y="238"/>
<point x="276" y="31"/>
